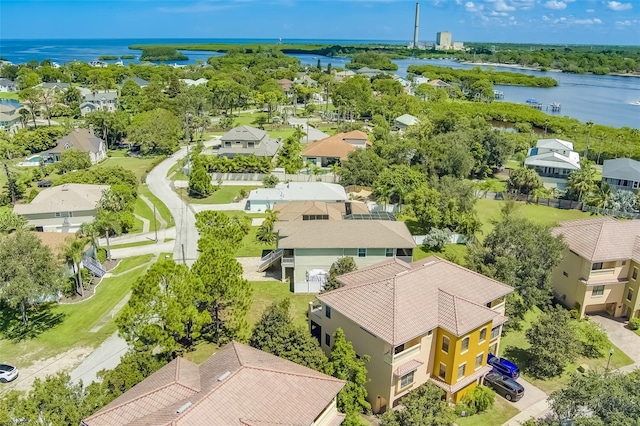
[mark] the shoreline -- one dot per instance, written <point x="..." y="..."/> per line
<point x="523" y="67"/>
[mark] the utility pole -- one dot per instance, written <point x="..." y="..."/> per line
<point x="11" y="184"/>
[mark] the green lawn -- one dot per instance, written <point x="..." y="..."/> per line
<point x="161" y="208"/>
<point x="138" y="165"/>
<point x="453" y="252"/>
<point x="73" y="323"/>
<point x="250" y="247"/>
<point x="223" y="195"/>
<point x="142" y="209"/>
<point x="501" y="411"/>
<point x="138" y="226"/>
<point x="266" y="292"/>
<point x="514" y="345"/>
<point x="134" y="244"/>
<point x="131" y="262"/>
<point x="9" y="95"/>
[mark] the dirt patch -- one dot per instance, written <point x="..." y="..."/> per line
<point x="45" y="367"/>
<point x="250" y="270"/>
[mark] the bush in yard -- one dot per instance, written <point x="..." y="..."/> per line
<point x="595" y="342"/>
<point x="479" y="399"/>
<point x="436" y="239"/>
<point x="270" y="181"/>
<point x="634" y="323"/>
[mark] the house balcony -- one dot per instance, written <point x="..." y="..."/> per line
<point x="604" y="276"/>
<point x="288" y="261"/>
<point x="391" y="358"/>
<point x="315" y="308"/>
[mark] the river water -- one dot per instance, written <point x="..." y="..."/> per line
<point x="601" y="99"/>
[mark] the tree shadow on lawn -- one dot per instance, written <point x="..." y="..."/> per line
<point x="41" y="318"/>
<point x="518" y="356"/>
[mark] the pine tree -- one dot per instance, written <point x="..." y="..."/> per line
<point x="341" y="266"/>
<point x="199" y="180"/>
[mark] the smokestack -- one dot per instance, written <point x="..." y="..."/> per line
<point x="415" y="30"/>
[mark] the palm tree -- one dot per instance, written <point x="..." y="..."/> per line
<point x="601" y="196"/>
<point x="107" y="222"/>
<point x="73" y="253"/>
<point x="589" y="126"/>
<point x="582" y="181"/>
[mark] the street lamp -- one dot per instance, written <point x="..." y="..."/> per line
<point x="609" y="361"/>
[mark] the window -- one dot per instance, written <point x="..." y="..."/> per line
<point x="388" y="252"/>
<point x="598" y="290"/>
<point x="495" y="332"/>
<point x="479" y="359"/>
<point x="445" y="344"/>
<point x="442" y="373"/>
<point x="227" y="144"/>
<point x="57" y="214"/>
<point x="635" y="185"/>
<point x="70" y="214"/>
<point x="327" y="311"/>
<point x="634" y="275"/>
<point x="624" y="262"/>
<point x="483" y="334"/>
<point x="565" y="274"/>
<point x="251" y="144"/>
<point x="406" y="380"/>
<point x="327" y="339"/>
<point x="630" y="294"/>
<point x="465" y="345"/>
<point x="362" y="252"/>
<point x="398" y="349"/>
<point x="461" y="370"/>
<point x="596" y="266"/>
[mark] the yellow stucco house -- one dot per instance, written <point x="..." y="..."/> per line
<point x="430" y="320"/>
<point x="599" y="270"/>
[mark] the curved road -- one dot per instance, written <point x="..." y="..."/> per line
<point x="186" y="233"/>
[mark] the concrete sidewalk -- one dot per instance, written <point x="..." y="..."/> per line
<point x="106" y="356"/>
<point x="158" y="248"/>
<point x="138" y="238"/>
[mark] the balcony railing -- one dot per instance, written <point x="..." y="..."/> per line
<point x="391" y="358"/>
<point x="288" y="260"/>
<point x="599" y="275"/>
<point x="316" y="308"/>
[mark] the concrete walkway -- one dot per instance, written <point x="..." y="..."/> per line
<point x="138" y="238"/>
<point x="161" y="222"/>
<point x="218" y="207"/>
<point x="156" y="249"/>
<point x="146" y="225"/>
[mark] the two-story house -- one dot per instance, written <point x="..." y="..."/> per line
<point x="599" y="269"/>
<point x="102" y="100"/>
<point x="306" y="249"/>
<point x="81" y="140"/>
<point x="622" y="173"/>
<point x="62" y="208"/>
<point x="553" y="158"/>
<point x="247" y="140"/>
<point x="262" y="199"/>
<point x="10" y="118"/>
<point x="430" y="320"/>
<point x="237" y="386"/>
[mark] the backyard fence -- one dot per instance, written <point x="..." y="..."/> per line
<point x="283" y="177"/>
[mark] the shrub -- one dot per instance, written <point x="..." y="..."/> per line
<point x="634" y="323"/>
<point x="101" y="254"/>
<point x="436" y="239"/>
<point x="479" y="399"/>
<point x="270" y="181"/>
<point x="594" y="339"/>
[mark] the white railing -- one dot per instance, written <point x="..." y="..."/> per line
<point x="391" y="358"/>
<point x="269" y="258"/>
<point x="288" y="260"/>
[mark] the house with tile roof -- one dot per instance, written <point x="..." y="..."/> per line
<point x="247" y="140"/>
<point x="238" y="385"/>
<point x="599" y="269"/>
<point x="553" y="158"/>
<point x="306" y="249"/>
<point x="62" y="208"/>
<point x="318" y="210"/>
<point x="263" y="199"/>
<point x="81" y="140"/>
<point x="332" y="150"/>
<point x="427" y="321"/>
<point x="622" y="173"/>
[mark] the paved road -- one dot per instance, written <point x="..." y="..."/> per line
<point x="106" y="356"/>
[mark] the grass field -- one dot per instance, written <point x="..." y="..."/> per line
<point x="161" y="208"/>
<point x="9" y="95"/>
<point x="250" y="247"/>
<point x="134" y="244"/>
<point x="138" y="165"/>
<point x="223" y="195"/>
<point x="68" y="325"/>
<point x="131" y="262"/>
<point x="514" y="345"/>
<point x="501" y="411"/>
<point x="267" y="292"/>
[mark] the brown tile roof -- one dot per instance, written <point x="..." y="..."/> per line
<point x="460" y="384"/>
<point x="398" y="303"/>
<point x="343" y="234"/>
<point x="333" y="146"/>
<point x="407" y="367"/>
<point x="238" y="385"/>
<point x="56" y="241"/>
<point x="294" y="210"/>
<point x="354" y="134"/>
<point x="602" y="239"/>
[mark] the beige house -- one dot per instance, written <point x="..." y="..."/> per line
<point x="81" y="140"/>
<point x="318" y="210"/>
<point x="306" y="249"/>
<point x="430" y="320"/>
<point x="599" y="270"/>
<point x="238" y="385"/>
<point x="62" y="208"/>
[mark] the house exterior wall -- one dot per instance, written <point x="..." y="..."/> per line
<point x="623" y="184"/>
<point x="631" y="306"/>
<point x="307" y="259"/>
<point x="384" y="388"/>
<point x="575" y="283"/>
<point x="49" y="222"/>
<point x="327" y="417"/>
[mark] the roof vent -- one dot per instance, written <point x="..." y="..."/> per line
<point x="224" y="376"/>
<point x="429" y="263"/>
<point x="184" y="407"/>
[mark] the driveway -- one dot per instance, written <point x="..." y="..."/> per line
<point x="622" y="337"/>
<point x="533" y="404"/>
<point x="312" y="133"/>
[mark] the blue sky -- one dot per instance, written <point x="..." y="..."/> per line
<point x="534" y="21"/>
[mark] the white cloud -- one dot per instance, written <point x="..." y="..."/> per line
<point x="619" y="7"/>
<point x="494" y="13"/>
<point x="523" y="4"/>
<point x="590" y="11"/>
<point x="201" y="6"/>
<point x="472" y="7"/>
<point x="627" y="23"/>
<point x="597" y="20"/>
<point x="502" y="6"/>
<point x="555" y="5"/>
<point x="545" y="18"/>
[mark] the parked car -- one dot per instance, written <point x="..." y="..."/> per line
<point x="504" y="386"/>
<point x="8" y="373"/>
<point x="44" y="183"/>
<point x="503" y="366"/>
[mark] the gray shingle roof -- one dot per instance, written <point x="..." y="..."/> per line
<point x="70" y="197"/>
<point x="398" y="303"/>
<point x="621" y="168"/>
<point x="244" y="133"/>
<point x="82" y="140"/>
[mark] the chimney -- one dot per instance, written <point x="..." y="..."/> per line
<point x="415" y="30"/>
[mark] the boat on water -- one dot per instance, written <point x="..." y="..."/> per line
<point x="635" y="103"/>
<point x="534" y="103"/>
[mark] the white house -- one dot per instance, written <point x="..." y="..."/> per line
<point x="263" y="199"/>
<point x="405" y="121"/>
<point x="553" y="158"/>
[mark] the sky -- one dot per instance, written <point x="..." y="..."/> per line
<point x="523" y="21"/>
